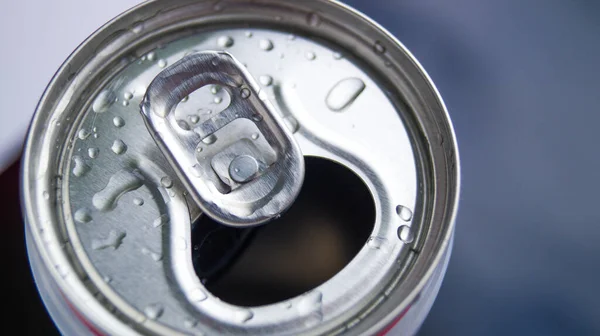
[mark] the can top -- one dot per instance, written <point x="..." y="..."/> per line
<point x="112" y="220"/>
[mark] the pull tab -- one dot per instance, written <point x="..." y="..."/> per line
<point x="242" y="166"/>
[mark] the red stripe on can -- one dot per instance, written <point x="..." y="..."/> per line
<point x="393" y="324"/>
<point x="82" y="319"/>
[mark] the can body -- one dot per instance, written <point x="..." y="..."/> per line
<point x="114" y="236"/>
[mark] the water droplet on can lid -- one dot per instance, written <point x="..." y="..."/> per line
<point x="166" y="182"/>
<point x="344" y="93"/>
<point x="243" y="315"/>
<point x="245" y="93"/>
<point x="265" y="80"/>
<point x="154" y="311"/>
<point x="82" y="216"/>
<point x="119" y="147"/>
<point x="313" y="19"/>
<point x="404" y="213"/>
<point x="118" y="122"/>
<point x="379" y="48"/>
<point x="405" y="234"/>
<point x="103" y="101"/>
<point x="93" y="152"/>
<point x="266" y="45"/>
<point x="225" y="41"/>
<point x="209" y="140"/>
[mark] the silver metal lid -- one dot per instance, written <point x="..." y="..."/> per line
<point x="113" y="223"/>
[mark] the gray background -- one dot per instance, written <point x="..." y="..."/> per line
<point x="519" y="79"/>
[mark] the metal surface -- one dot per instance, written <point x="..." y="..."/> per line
<point x="113" y="222"/>
<point x="242" y="165"/>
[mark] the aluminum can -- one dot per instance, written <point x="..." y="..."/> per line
<point x="120" y="244"/>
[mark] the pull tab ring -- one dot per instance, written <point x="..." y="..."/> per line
<point x="242" y="166"/>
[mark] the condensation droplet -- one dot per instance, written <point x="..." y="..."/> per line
<point x="249" y="34"/>
<point x="344" y="93"/>
<point x="160" y="221"/>
<point x="262" y="95"/>
<point x="151" y="56"/>
<point x="113" y="240"/>
<point x="376" y="242"/>
<point x="118" y="122"/>
<point x="257" y="117"/>
<point x="215" y="89"/>
<point x="154" y="255"/>
<point x="291" y="123"/>
<point x="245" y="93"/>
<point x="209" y="140"/>
<point x="120" y="183"/>
<point x="80" y="167"/>
<point x="104" y="100"/>
<point x="162" y="63"/>
<point x="405" y="234"/>
<point x="197" y="295"/>
<point x="128" y="95"/>
<point x="243" y="315"/>
<point x="313" y="19"/>
<point x="404" y="213"/>
<point x="137" y="27"/>
<point x="379" y="48"/>
<point x="46" y="195"/>
<point x="107" y="279"/>
<point x="82" y="216"/>
<point x="93" y="152"/>
<point x="189" y="322"/>
<point x="225" y="41"/>
<point x="83" y="134"/>
<point x="154" y="311"/>
<point x="196" y="170"/>
<point x="337" y="55"/>
<point x="183" y="125"/>
<point x="166" y="182"/>
<point x="311" y="56"/>
<point x="265" y="80"/>
<point x="186" y="98"/>
<point x="255" y="136"/>
<point x="194" y="119"/>
<point x="119" y="147"/>
<point x="217" y="100"/>
<point x="266" y="45"/>
<point x="138" y="201"/>
<point x="311" y="303"/>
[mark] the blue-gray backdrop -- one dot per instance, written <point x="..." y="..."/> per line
<point x="520" y="79"/>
